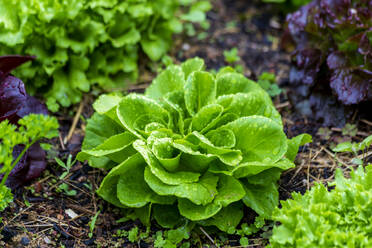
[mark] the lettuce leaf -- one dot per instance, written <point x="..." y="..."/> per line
<point x="332" y="60"/>
<point x="81" y="43"/>
<point x="321" y="218"/>
<point x="201" y="146"/>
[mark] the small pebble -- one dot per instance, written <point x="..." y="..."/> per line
<point x="185" y="47"/>
<point x="71" y="213"/>
<point x="82" y="179"/>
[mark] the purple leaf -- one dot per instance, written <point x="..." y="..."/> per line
<point x="328" y="110"/>
<point x="333" y="47"/>
<point x="308" y="62"/>
<point x="365" y="47"/>
<point x="12" y="97"/>
<point x="336" y="60"/>
<point x="352" y="86"/>
<point x="15" y="103"/>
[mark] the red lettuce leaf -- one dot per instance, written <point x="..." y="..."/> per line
<point x="351" y="84"/>
<point x="308" y="62"/>
<point x="15" y="103"/>
<point x="333" y="47"/>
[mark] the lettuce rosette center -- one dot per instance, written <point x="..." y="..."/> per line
<point x="196" y="145"/>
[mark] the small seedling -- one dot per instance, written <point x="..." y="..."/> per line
<point x="67" y="166"/>
<point x="144" y="235"/>
<point x="350" y="130"/>
<point x="353" y="146"/>
<point x="92" y="224"/>
<point x="88" y="186"/>
<point x="231" y="56"/>
<point x="64" y="187"/>
<point x="244" y="241"/>
<point x="268" y="82"/>
<point x="27" y="203"/>
<point x="172" y="238"/>
<point x="166" y="60"/>
<point x="159" y="240"/>
<point x="190" y="30"/>
<point x="324" y="133"/>
<point x="231" y="24"/>
<point x="46" y="146"/>
<point x="133" y="235"/>
<point x="239" y="68"/>
<point x="202" y="36"/>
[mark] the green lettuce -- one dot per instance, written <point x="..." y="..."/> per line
<point x="195" y="147"/>
<point x="319" y="218"/>
<point x="79" y="43"/>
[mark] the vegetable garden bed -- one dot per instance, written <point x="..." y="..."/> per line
<point x="61" y="208"/>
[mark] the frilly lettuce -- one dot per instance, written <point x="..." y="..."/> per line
<point x="195" y="146"/>
<point x="79" y="43"/>
<point x="339" y="218"/>
<point x="333" y="41"/>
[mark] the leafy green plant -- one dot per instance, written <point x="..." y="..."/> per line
<point x="6" y="197"/>
<point x="354" y="147"/>
<point x="133" y="235"/>
<point x="268" y="82"/>
<point x="319" y="218"/>
<point x="67" y="166"/>
<point x="231" y="56"/>
<point x="171" y="238"/>
<point x="195" y="147"/>
<point x="232" y="24"/>
<point x="325" y="133"/>
<point x="196" y="14"/>
<point x="31" y="128"/>
<point x="63" y="187"/>
<point x="350" y="130"/>
<point x="79" y="43"/>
